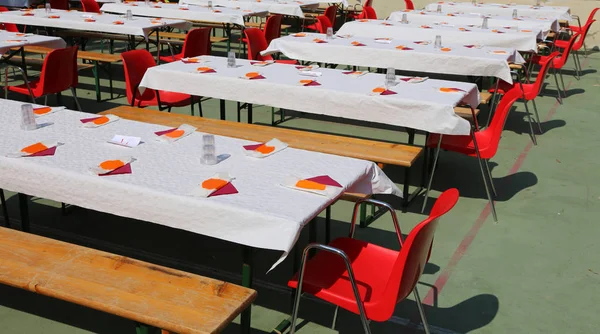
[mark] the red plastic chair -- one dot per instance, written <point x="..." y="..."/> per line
<point x="135" y="64"/>
<point x="368" y="13"/>
<point x="368" y="279"/>
<point x="272" y="28"/>
<point x="578" y="28"/>
<point x="10" y="27"/>
<point x="481" y="144"/>
<point x="330" y="14"/>
<point x="59" y="73"/>
<point x="90" y="6"/>
<point x="196" y="43"/>
<point x="59" y="4"/>
<point x="353" y="14"/>
<point x="530" y="90"/>
<point x="409" y="4"/>
<point x="578" y="44"/>
<point x="257" y="43"/>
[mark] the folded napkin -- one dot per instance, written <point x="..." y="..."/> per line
<point x="205" y="70"/>
<point x="172" y="135"/>
<point x="404" y="48"/>
<point x="38" y="149"/>
<point x="300" y="34"/>
<point x="386" y="24"/>
<point x="355" y="74"/>
<point x="113" y="167"/>
<point x="41" y="111"/>
<point x="310" y="73"/>
<point x="451" y="90"/>
<point x="463" y="29"/>
<point x="382" y="91"/>
<point x="53" y="17"/>
<point x="307" y="68"/>
<point x="321" y="185"/>
<point x="422" y="42"/>
<point x="261" y="63"/>
<point x="264" y="150"/>
<point x="446" y="49"/>
<point x="118" y="22"/>
<point x="27" y="14"/>
<point x="426" y="27"/>
<point x="193" y="60"/>
<point x="309" y="82"/>
<point x="414" y="79"/>
<point x="218" y="184"/>
<point x="383" y="40"/>
<point x="498" y="52"/>
<point x="89" y="19"/>
<point x="357" y="43"/>
<point x="94" y="122"/>
<point x="318" y="40"/>
<point x="252" y="76"/>
<point x="473" y="46"/>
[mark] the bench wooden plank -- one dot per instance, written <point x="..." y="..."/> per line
<point x="465" y="112"/>
<point x="371" y="150"/>
<point x="181" y="36"/>
<point x="87" y="55"/>
<point x="40" y="62"/>
<point x="166" y="298"/>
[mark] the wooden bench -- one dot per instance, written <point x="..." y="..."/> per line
<point x="153" y="295"/>
<point x="181" y="36"/>
<point x="98" y="59"/>
<point x="365" y="149"/>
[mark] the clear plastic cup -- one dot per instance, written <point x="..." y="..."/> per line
<point x="210" y="5"/>
<point x="484" y="24"/>
<point x="438" y="42"/>
<point x="48" y="8"/>
<point x="329" y="33"/>
<point x="147" y="2"/>
<point x="129" y="15"/>
<point x="230" y="59"/>
<point x="404" y="18"/>
<point x="515" y="14"/>
<point x="390" y="77"/>
<point x="439" y="8"/>
<point x="27" y="118"/>
<point x="209" y="156"/>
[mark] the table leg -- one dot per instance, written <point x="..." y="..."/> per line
<point x="246" y="282"/>
<point x="97" y="81"/>
<point x="23" y="64"/>
<point x="24" y="211"/>
<point x="222" y="107"/>
<point x="228" y="33"/>
<point x="4" y="208"/>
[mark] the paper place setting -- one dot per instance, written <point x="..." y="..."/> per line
<point x="307" y="67"/>
<point x="194" y="60"/>
<point x="310" y="73"/>
<point x="263" y="150"/>
<point x="383" y="40"/>
<point x="41" y="111"/>
<point x="321" y="185"/>
<point x="94" y="122"/>
<point x="252" y="76"/>
<point x="39" y="149"/>
<point x="262" y="63"/>
<point x="355" y="74"/>
<point x="218" y="184"/>
<point x="127" y="141"/>
<point x="414" y="79"/>
<point x="205" y="69"/>
<point x="113" y="167"/>
<point x="382" y="91"/>
<point x="172" y="135"/>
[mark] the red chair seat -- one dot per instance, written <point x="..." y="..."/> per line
<point x="287" y="61"/>
<point x="326" y="276"/>
<point x="561" y="44"/>
<point x="22" y="88"/>
<point x="503" y="87"/>
<point x="170" y="59"/>
<point x="575" y="28"/>
<point x="171" y="99"/>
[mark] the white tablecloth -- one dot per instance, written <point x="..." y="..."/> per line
<point x="464" y="19"/>
<point x="10" y="40"/>
<point x="419" y="106"/>
<point x="557" y="12"/>
<point x="459" y="60"/>
<point x="190" y="13"/>
<point x="263" y="214"/>
<point x="290" y="8"/>
<point x="505" y="38"/>
<point x="139" y="26"/>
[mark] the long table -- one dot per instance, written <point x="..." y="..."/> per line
<point x="399" y="54"/>
<point x="504" y="38"/>
<point x="421" y="106"/>
<point x="74" y="20"/>
<point x="464" y="19"/>
<point x="544" y="11"/>
<point x="10" y="40"/>
<point x="223" y="15"/>
<point x="283" y="7"/>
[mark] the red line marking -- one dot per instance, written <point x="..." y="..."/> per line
<point x="468" y="239"/>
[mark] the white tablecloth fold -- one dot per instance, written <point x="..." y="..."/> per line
<point x="263" y="214"/>
<point x="419" y="106"/>
<point x="460" y="60"/>
<point x="506" y="38"/>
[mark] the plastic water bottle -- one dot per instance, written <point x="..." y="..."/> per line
<point x="208" y="150"/>
<point x="27" y="118"/>
<point x="230" y="59"/>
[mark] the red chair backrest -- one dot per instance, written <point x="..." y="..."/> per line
<point x="409" y="4"/>
<point x="90" y="6"/>
<point x="489" y="147"/>
<point x="272" y="28"/>
<point x="411" y="259"/>
<point x="197" y="43"/>
<point x="59" y="71"/>
<point x="539" y="81"/>
<point x="331" y="13"/>
<point x="59" y="4"/>
<point x="368" y="3"/>
<point x="592" y="14"/>
<point x="256" y="44"/>
<point x="368" y="13"/>
<point x="10" y="27"/>
<point x="584" y="30"/>
<point x="323" y="23"/>
<point x="561" y="60"/>
<point x="135" y="64"/>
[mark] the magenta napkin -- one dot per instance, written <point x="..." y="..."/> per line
<point x="228" y="189"/>
<point x="46" y="152"/>
<point x="125" y="169"/>
<point x="252" y="147"/>
<point x="87" y="120"/>
<point x="326" y="180"/>
<point x="163" y="132"/>
<point x="313" y="83"/>
<point x="257" y="77"/>
<point x="388" y="92"/>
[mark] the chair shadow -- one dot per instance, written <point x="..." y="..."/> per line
<point x="518" y="123"/>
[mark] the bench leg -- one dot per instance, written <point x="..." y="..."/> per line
<point x="249" y="113"/>
<point x="97" y="81"/>
<point x="222" y="107"/>
<point x="24" y="211"/>
<point x="405" y="190"/>
<point x="246" y="282"/>
<point x="363" y="215"/>
<point x="4" y="208"/>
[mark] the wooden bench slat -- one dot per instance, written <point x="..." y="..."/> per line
<point x="40" y="62"/>
<point x="371" y="150"/>
<point x="485" y="97"/>
<point x="87" y="55"/>
<point x="465" y="112"/>
<point x="181" y="36"/>
<point x="166" y="298"/>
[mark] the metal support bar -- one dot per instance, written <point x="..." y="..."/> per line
<point x="246" y="282"/>
<point x="24" y="211"/>
<point x="222" y="108"/>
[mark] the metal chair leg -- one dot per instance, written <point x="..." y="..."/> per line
<point x="335" y="313"/>
<point x="562" y="80"/>
<point x="487" y="190"/>
<point x="530" y="123"/>
<point x="489" y="171"/>
<point x="557" y="87"/>
<point x="74" y="92"/>
<point x="421" y="311"/>
<point x="537" y="116"/>
<point x="492" y="106"/>
<point x="578" y="68"/>
<point x="435" y="159"/>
